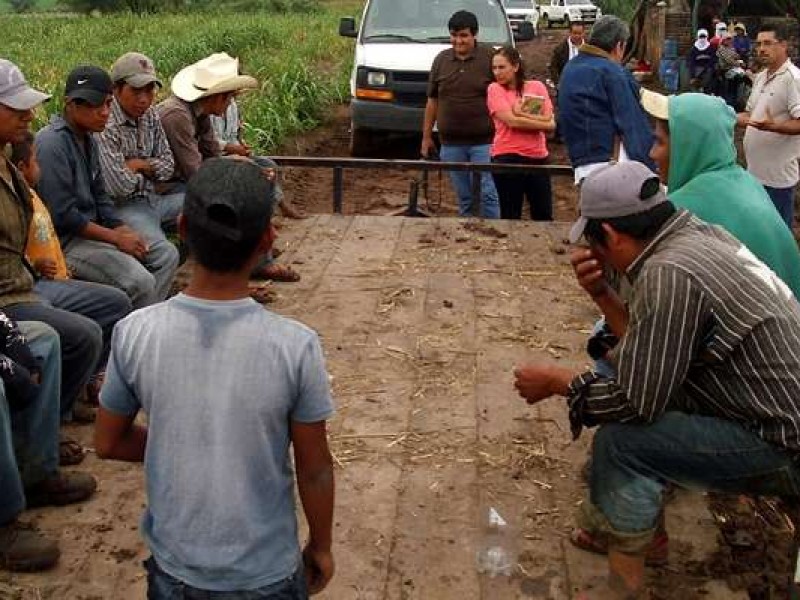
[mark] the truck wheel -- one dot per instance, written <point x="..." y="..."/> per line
<point x="360" y="142"/>
<point x="544" y="22"/>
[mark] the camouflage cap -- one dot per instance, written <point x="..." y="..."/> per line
<point x="135" y="69"/>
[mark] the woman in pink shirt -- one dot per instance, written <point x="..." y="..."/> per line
<point x="522" y="113"/>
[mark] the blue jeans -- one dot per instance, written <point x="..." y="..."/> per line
<point x="29" y="437"/>
<point x="81" y="345"/>
<point x="783" y="199"/>
<point x="462" y="180"/>
<point x="631" y="464"/>
<point x="145" y="282"/>
<point x="162" y="586"/>
<point x="103" y="304"/>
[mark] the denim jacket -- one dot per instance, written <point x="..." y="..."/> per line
<point x="71" y="183"/>
<point x="598" y="101"/>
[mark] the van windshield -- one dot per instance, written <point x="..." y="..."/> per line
<point x="399" y="21"/>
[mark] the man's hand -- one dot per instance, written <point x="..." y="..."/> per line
<point x="589" y="272"/>
<point x="238" y="149"/>
<point x="46" y="267"/>
<point x="537" y="381"/>
<point x="765" y="124"/>
<point x="140" y="165"/>
<point x="130" y="242"/>
<point x="427" y="148"/>
<point x="319" y="568"/>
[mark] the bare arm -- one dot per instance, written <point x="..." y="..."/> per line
<point x="315" y="483"/>
<point x="118" y="437"/>
<point x="431" y="108"/>
<point x="742" y="119"/>
<point x="529" y="122"/>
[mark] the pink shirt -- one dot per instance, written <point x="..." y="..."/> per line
<point x="508" y="140"/>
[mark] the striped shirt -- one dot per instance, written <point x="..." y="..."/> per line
<point x="125" y="138"/>
<point x="711" y="330"/>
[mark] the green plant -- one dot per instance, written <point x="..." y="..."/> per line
<point x="20" y="6"/>
<point x="301" y="63"/>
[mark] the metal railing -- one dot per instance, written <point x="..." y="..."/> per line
<point x="425" y="166"/>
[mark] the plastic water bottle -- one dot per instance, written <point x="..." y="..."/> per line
<point x="496" y="554"/>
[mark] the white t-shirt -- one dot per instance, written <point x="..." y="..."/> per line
<point x="772" y="157"/>
<point x="220" y="382"/>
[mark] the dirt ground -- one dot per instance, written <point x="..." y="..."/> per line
<point x="422" y="321"/>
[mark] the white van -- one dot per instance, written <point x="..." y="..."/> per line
<point x="395" y="46"/>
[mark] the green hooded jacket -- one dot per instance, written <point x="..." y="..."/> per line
<point x="705" y="179"/>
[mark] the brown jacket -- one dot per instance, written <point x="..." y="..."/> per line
<point x="559" y="60"/>
<point x="190" y="134"/>
<point x="16" y="210"/>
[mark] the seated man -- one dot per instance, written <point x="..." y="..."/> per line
<point x="81" y="338"/>
<point x="703" y="176"/>
<point x="707" y="385"/>
<point x="134" y="151"/>
<point x="97" y="244"/>
<point x="228" y="129"/>
<point x="200" y="91"/>
<point x="103" y="304"/>
<point x="29" y="474"/>
<point x="236" y="386"/>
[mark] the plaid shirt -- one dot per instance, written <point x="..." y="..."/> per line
<point x="711" y="331"/>
<point x="125" y="138"/>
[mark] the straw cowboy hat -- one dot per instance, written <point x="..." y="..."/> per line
<point x="215" y="74"/>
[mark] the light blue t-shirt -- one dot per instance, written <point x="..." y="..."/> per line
<point x="220" y="383"/>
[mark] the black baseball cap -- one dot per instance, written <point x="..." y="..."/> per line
<point x="88" y="83"/>
<point x="230" y="199"/>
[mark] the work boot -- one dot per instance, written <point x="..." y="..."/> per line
<point x="61" y="489"/>
<point x="22" y="548"/>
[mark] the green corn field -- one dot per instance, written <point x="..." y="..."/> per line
<point x="300" y="61"/>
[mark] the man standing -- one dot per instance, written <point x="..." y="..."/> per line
<point x="599" y="112"/>
<point x="134" y="151"/>
<point x="707" y="387"/>
<point x="228" y="388"/>
<point x="566" y="50"/>
<point x="97" y="244"/>
<point x="772" y="119"/>
<point x="456" y="103"/>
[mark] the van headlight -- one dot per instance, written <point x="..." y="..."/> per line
<point x="376" y="78"/>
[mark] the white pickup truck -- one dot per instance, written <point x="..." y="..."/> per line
<point x="567" y="11"/>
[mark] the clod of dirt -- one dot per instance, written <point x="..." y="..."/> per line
<point x="426" y="239"/>
<point x="447" y="303"/>
<point x="484" y="229"/>
<point x="559" y="250"/>
<point x="461" y="239"/>
<point x="122" y="554"/>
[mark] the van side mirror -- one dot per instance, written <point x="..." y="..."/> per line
<point x="525" y="31"/>
<point x="347" y="27"/>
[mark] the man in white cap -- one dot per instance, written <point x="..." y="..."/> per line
<point x="200" y="91"/>
<point x="707" y="386"/>
<point x="134" y="152"/>
<point x="29" y="452"/>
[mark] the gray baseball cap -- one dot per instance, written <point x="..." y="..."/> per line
<point x="135" y="69"/>
<point x="15" y="91"/>
<point x="617" y="190"/>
